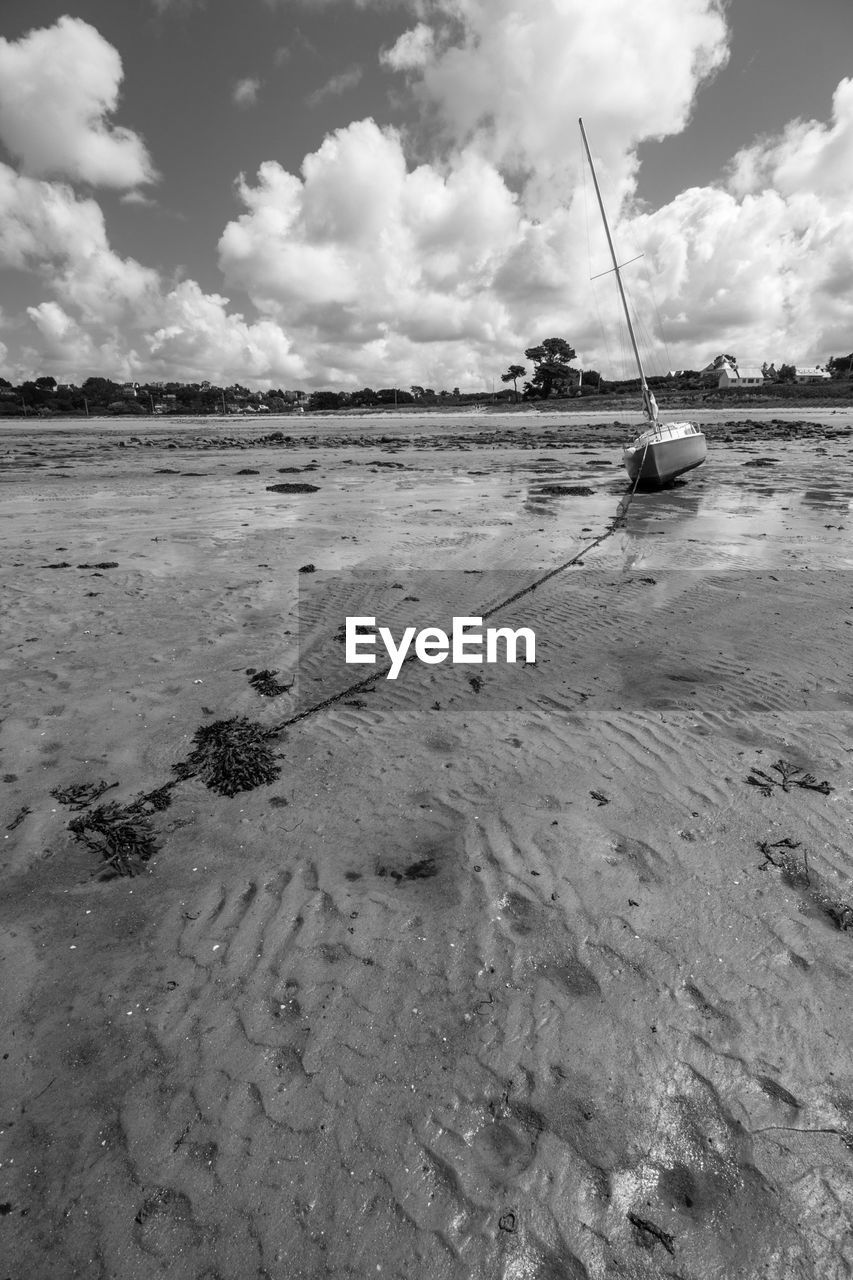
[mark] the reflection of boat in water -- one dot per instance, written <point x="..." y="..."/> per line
<point x="666" y="449"/>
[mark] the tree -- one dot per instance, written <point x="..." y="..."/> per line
<point x="46" y="383"/>
<point x="326" y="400"/>
<point x="394" y="395"/>
<point x="551" y="370"/>
<point x="366" y="396"/>
<point x="100" y="391"/>
<point x="513" y="373"/>
<point x="840" y="366"/>
<point x="787" y="373"/>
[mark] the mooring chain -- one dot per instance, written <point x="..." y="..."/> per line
<point x="361" y="685"/>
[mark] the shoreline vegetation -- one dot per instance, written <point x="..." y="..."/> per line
<point x="46" y="405"/>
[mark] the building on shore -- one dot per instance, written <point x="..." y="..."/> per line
<point x="744" y="375"/>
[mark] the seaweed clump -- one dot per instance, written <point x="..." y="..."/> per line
<point x="296" y="487"/>
<point x="265" y="683"/>
<point x="565" y="491"/>
<point x="800" y="876"/>
<point x="789" y="775"/>
<point x="230" y="756"/>
<point x="81" y="794"/>
<point x="120" y="835"/>
<point x="155" y="801"/>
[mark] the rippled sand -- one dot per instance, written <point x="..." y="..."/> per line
<point x="494" y="979"/>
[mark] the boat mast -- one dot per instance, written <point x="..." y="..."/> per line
<point x="649" y="403"/>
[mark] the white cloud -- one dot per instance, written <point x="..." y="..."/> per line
<point x="367" y="269"/>
<point x="511" y="78"/>
<point x="413" y="49"/>
<point x="245" y="92"/>
<point x="202" y="339"/>
<point x="111" y="314"/>
<point x="362" y="242"/>
<point x="807" y="156"/>
<point x="67" y="347"/>
<point x="336" y="85"/>
<point x="138" y="197"/>
<point x="58" y="85"/>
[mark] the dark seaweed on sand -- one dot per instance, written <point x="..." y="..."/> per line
<point x="648" y="1232"/>
<point x="565" y="490"/>
<point x="265" y="683"/>
<point x="424" y="869"/>
<point x="155" y="801"/>
<point x="297" y="487"/>
<point x="18" y="818"/>
<point x="789" y="775"/>
<point x="230" y="756"/>
<point x="120" y="836"/>
<point x="81" y="794"/>
<point x="780" y="854"/>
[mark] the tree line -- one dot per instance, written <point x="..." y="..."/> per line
<point x="45" y="396"/>
<point x="553" y="375"/>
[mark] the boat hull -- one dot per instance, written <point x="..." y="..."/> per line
<point x="658" y="460"/>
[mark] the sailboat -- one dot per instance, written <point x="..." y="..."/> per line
<point x="666" y="449"/>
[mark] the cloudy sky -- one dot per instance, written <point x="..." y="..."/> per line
<point x="349" y="193"/>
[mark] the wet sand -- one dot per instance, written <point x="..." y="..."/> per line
<point x="514" y="975"/>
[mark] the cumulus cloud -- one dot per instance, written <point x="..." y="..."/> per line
<point x="512" y="79"/>
<point x="112" y="314"/>
<point x="199" y="336"/>
<point x="366" y="268"/>
<point x="371" y="262"/>
<point x="806" y="156"/>
<point x="362" y="241"/>
<point x="68" y="347"/>
<point x="58" y="85"/>
<point x="245" y="91"/>
<point x="413" y="49"/>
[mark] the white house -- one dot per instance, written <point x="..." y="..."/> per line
<point x="743" y="375"/>
<point x="816" y="374"/>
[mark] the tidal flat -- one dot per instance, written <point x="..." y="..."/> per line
<point x="522" y="971"/>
